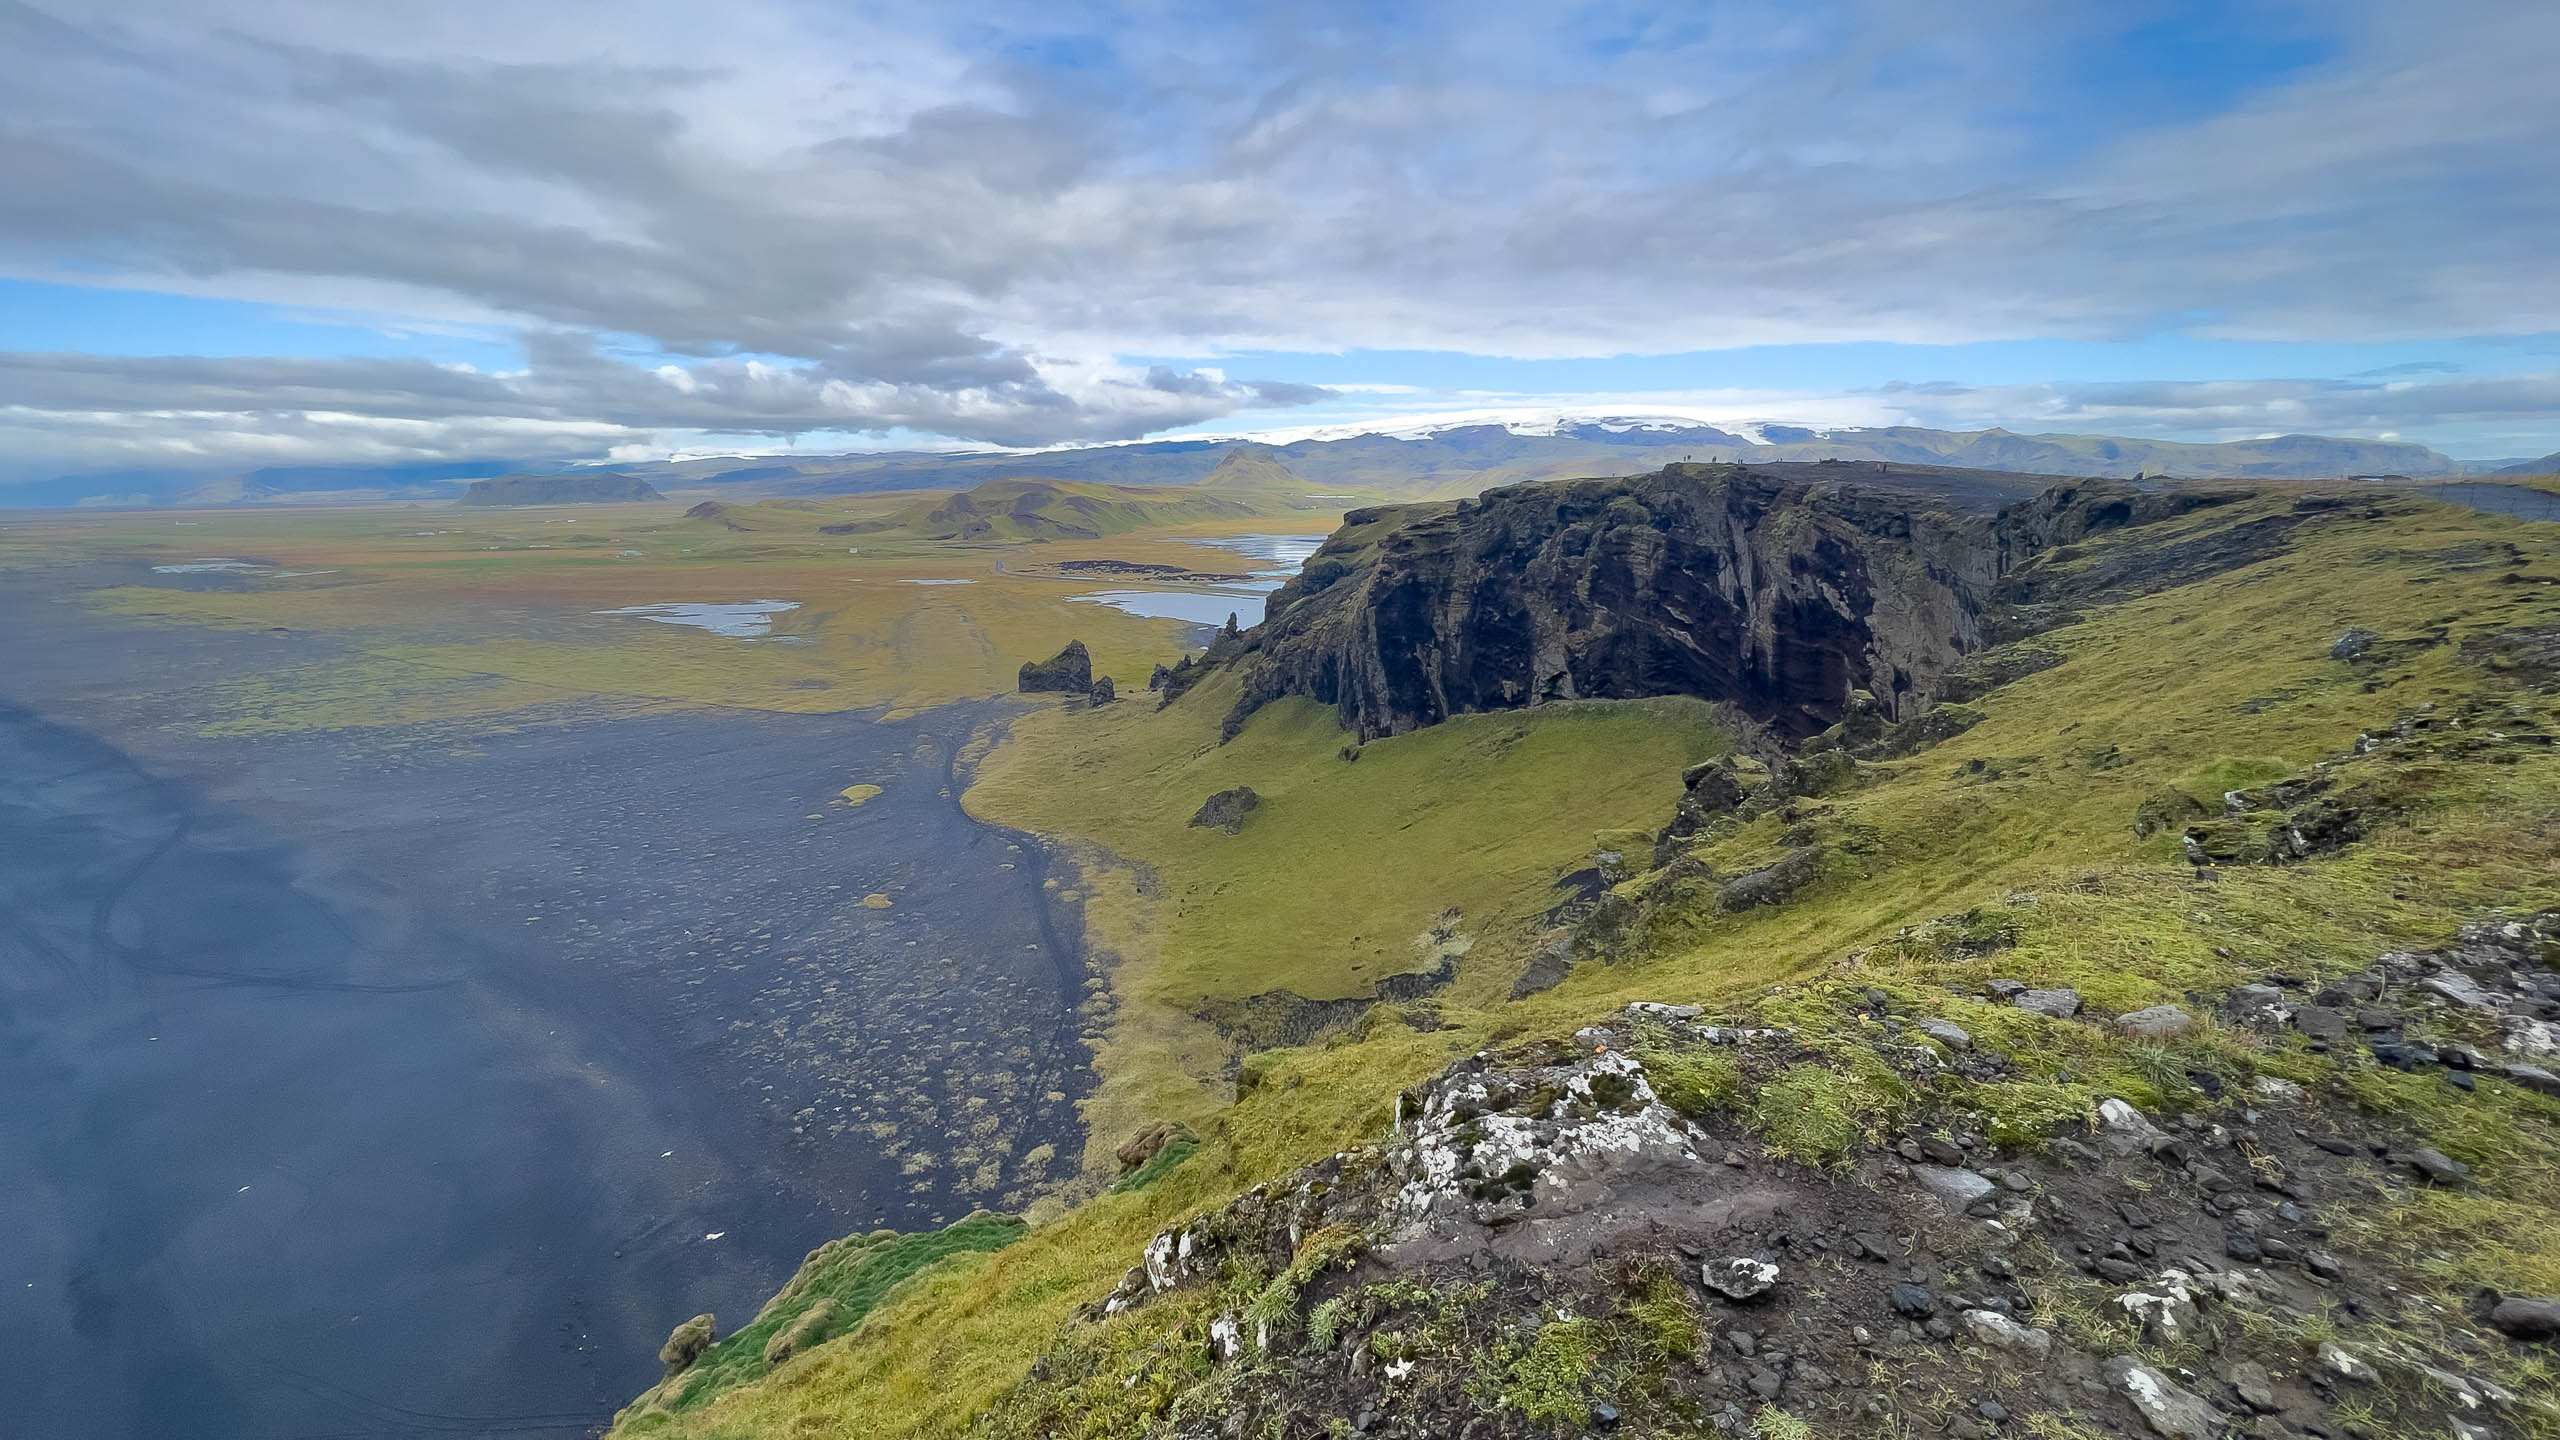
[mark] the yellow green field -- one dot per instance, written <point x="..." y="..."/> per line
<point x="458" y="612"/>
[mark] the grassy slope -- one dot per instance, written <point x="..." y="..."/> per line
<point x="1337" y="878"/>
<point x="2193" y="686"/>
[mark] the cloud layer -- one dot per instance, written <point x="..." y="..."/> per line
<point x="954" y="220"/>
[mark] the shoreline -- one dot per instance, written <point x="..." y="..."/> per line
<point x="495" y="1107"/>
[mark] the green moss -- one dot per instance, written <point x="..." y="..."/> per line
<point x="1274" y="1311"/>
<point x="1662" y="1318"/>
<point x="1545" y="1384"/>
<point x="842" y="1281"/>
<point x="1696" y="1081"/>
<point x="1168" y="1155"/>
<point x="1818" y="1114"/>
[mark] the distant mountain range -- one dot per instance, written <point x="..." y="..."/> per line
<point x="2547" y="465"/>
<point x="1449" y="459"/>
<point x="589" y="487"/>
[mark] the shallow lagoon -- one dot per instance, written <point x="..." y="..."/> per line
<point x="739" y="620"/>
<point x="1282" y="555"/>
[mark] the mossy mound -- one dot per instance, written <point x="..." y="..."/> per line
<point x="835" y="1287"/>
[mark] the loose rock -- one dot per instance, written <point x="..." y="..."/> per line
<point x="1738" y="1278"/>
<point x="2344" y="1364"/>
<point x="2002" y="1333"/>
<point x="2438" y="1167"/>
<point x="2061" y="1004"/>
<point x="1955" y="1189"/>
<point x="2528" y="1318"/>
<point x="2255" y="1387"/>
<point x="2172" y="1412"/>
<point x="2160" y="1022"/>
<point x="1227" y="809"/>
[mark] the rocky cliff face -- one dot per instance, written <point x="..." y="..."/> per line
<point x="1777" y="594"/>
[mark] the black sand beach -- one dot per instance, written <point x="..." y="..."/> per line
<point x="393" y="1082"/>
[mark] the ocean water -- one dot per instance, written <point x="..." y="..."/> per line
<point x="397" y="1082"/>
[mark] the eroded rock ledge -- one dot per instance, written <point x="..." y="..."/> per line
<point x="1778" y="594"/>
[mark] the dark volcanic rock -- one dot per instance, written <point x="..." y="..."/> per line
<point x="1780" y="594"/>
<point x="1103" y="691"/>
<point x="1070" y="670"/>
<point x="2528" y="1318"/>
<point x="1226" y="809"/>
<point x="1771" y="884"/>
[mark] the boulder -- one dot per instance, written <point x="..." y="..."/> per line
<point x="1955" y="1189"/>
<point x="1947" y="1033"/>
<point x="2172" y="1411"/>
<point x="2320" y="1022"/>
<point x="685" y="1344"/>
<point x="2532" y="1077"/>
<point x="1227" y="809"/>
<point x="1069" y="671"/>
<point x="2343" y="1364"/>
<point x="2002" y="1333"/>
<point x="2527" y="1318"/>
<point x="1770" y="884"/>
<point x="1738" y="1278"/>
<point x="1140" y="1148"/>
<point x="2124" y="1130"/>
<point x="2167" y="810"/>
<point x="1103" y="692"/>
<point x="2160" y="1022"/>
<point x="2061" y="1004"/>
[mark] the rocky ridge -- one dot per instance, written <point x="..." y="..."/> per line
<point x="1778" y="594"/>
<point x="1601" y="1236"/>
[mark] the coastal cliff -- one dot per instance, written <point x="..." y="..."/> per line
<point x="1775" y="592"/>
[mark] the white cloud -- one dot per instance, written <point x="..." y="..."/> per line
<point x="954" y="218"/>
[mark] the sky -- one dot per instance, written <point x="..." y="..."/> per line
<point x="243" y="233"/>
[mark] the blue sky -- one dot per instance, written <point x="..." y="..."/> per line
<point x="245" y="232"/>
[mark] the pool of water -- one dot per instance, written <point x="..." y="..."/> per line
<point x="1282" y="553"/>
<point x="1200" y="607"/>
<point x="1281" y="557"/>
<point x="740" y="620"/>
